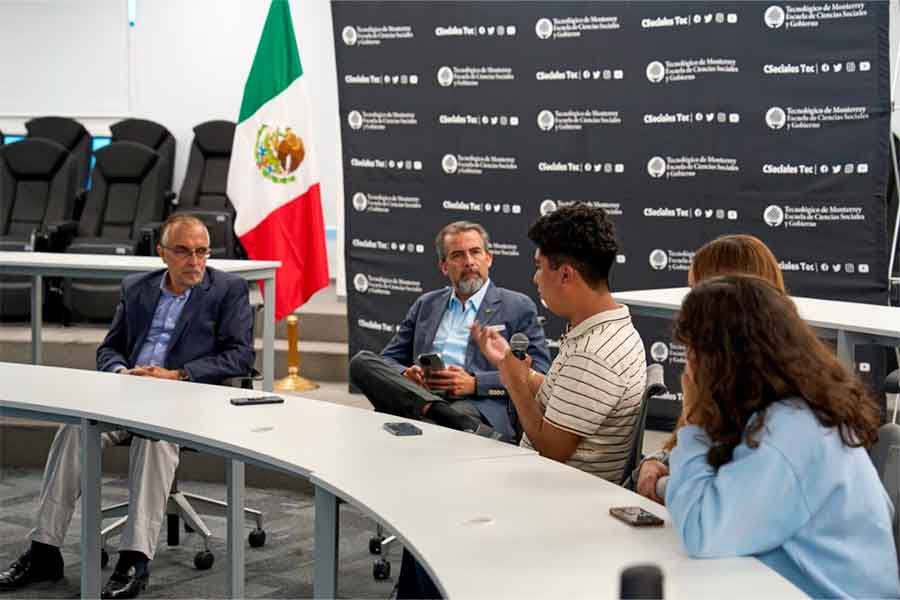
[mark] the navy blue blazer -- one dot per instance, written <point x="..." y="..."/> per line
<point x="212" y="341"/>
<point x="515" y="311"/>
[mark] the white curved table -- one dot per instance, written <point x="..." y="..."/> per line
<point x="110" y="266"/>
<point x="849" y="323"/>
<point x="486" y="519"/>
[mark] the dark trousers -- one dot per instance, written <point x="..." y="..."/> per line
<point x="388" y="390"/>
<point x="392" y="393"/>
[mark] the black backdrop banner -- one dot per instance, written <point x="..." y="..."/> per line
<point x="684" y="120"/>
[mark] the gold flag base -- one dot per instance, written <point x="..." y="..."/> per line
<point x="294" y="383"/>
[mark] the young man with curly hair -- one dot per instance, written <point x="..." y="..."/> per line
<point x="584" y="410"/>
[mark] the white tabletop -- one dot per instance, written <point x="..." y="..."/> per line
<point x="117" y="263"/>
<point x="869" y="319"/>
<point x="529" y="527"/>
<point x="488" y="519"/>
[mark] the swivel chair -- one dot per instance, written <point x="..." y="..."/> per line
<point x="152" y="135"/>
<point x="655" y="386"/>
<point x="179" y="506"/>
<point x="203" y="193"/>
<point x="37" y="195"/>
<point x="71" y="135"/>
<point x="126" y="195"/>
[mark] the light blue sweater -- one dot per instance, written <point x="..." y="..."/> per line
<point x="809" y="507"/>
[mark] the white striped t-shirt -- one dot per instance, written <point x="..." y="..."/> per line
<point x="594" y="390"/>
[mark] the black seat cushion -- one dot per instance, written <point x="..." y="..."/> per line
<point x="34" y="158"/>
<point x="141" y="131"/>
<point x="62" y="130"/>
<point x="214" y="137"/>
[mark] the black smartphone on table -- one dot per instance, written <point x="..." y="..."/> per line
<point x="402" y="428"/>
<point x="636" y="516"/>
<point x="250" y="401"/>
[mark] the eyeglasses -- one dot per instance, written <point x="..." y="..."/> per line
<point x="183" y="252"/>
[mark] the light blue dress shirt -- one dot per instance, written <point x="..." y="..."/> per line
<point x="165" y="318"/>
<point x="452" y="336"/>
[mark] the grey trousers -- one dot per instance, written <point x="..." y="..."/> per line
<point x="151" y="470"/>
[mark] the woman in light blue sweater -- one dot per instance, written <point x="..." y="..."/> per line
<point x="772" y="461"/>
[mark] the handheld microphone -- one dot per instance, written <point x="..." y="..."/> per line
<point x="519" y="345"/>
<point x="661" y="485"/>
<point x="641" y="581"/>
<point x="656" y="385"/>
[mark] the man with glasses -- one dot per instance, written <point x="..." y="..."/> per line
<point x="466" y="394"/>
<point x="185" y="322"/>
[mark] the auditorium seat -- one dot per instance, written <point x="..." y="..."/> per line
<point x="70" y="134"/>
<point x="150" y="134"/>
<point x="203" y="192"/>
<point x="127" y="194"/>
<point x="37" y="195"/>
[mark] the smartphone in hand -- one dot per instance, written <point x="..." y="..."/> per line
<point x="431" y="362"/>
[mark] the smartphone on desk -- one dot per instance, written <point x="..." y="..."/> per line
<point x="250" y="401"/>
<point x="402" y="428"/>
<point x="636" y="516"/>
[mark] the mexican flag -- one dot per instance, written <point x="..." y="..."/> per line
<point x="273" y="179"/>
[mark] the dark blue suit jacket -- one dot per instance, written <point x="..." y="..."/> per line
<point x="515" y="311"/>
<point x="212" y="341"/>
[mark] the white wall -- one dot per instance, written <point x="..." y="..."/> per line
<point x="187" y="63"/>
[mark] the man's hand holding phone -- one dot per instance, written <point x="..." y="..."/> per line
<point x="415" y="374"/>
<point x="453" y="380"/>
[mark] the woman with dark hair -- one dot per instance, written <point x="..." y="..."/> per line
<point x="771" y="461"/>
<point x="736" y="254"/>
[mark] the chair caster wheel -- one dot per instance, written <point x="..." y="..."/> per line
<point x="104" y="558"/>
<point x="381" y="569"/>
<point x="375" y="544"/>
<point x="203" y="560"/>
<point x="257" y="538"/>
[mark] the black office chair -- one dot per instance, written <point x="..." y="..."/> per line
<point x="203" y="193"/>
<point x="127" y="194"/>
<point x="179" y="507"/>
<point x="37" y="196"/>
<point x="70" y="134"/>
<point x="655" y="386"/>
<point x="153" y="135"/>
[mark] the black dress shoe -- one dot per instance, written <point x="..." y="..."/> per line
<point x="127" y="584"/>
<point x="29" y="569"/>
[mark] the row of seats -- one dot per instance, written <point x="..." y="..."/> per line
<point x="51" y="200"/>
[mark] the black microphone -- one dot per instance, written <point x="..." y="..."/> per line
<point x="519" y="344"/>
<point x="656" y="385"/>
<point x="641" y="581"/>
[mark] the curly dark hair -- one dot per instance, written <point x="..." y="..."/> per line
<point x="581" y="236"/>
<point x="749" y="348"/>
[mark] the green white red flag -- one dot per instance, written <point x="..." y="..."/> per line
<point x="273" y="179"/>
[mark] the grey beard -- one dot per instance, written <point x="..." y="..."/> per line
<point x="467" y="287"/>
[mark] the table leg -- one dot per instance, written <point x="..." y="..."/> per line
<point x="37" y="317"/>
<point x="234" y="476"/>
<point x="846" y="350"/>
<point x="90" y="509"/>
<point x="269" y="334"/>
<point x="326" y="548"/>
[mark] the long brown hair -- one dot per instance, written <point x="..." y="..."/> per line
<point x="736" y="254"/>
<point x="749" y="348"/>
